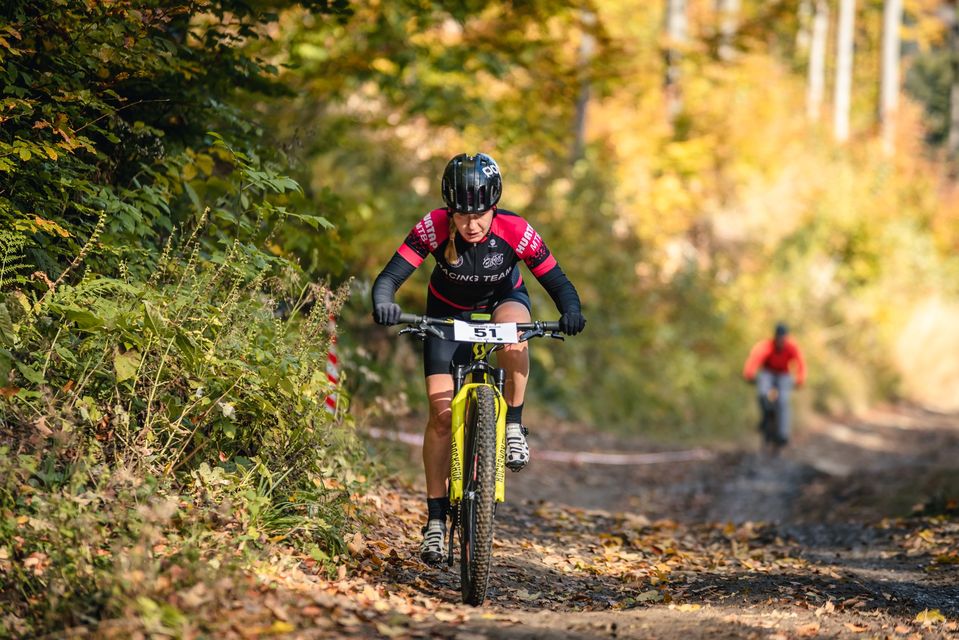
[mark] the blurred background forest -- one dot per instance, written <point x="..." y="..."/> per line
<point x="189" y="190"/>
<point x="700" y="168"/>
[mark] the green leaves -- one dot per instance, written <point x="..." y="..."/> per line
<point x="126" y="364"/>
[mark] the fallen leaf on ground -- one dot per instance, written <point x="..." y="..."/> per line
<point x="928" y="617"/>
<point x="649" y="596"/>
<point x="829" y="607"/>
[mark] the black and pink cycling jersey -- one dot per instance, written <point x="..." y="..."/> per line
<point x="484" y="272"/>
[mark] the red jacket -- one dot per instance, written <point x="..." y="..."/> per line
<point x="764" y="355"/>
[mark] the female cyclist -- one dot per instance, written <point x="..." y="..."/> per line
<point x="476" y="247"/>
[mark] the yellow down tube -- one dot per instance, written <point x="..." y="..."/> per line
<point x="457" y="452"/>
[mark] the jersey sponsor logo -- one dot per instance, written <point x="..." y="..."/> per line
<point x="492" y="242"/>
<point x="530" y="239"/>
<point x="458" y="277"/>
<point x="493" y="261"/>
<point x="458" y="263"/>
<point x="427" y="232"/>
<point x="541" y="254"/>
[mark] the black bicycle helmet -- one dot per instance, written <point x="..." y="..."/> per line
<point x="471" y="184"/>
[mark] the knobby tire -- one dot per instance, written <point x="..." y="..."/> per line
<point x="476" y="530"/>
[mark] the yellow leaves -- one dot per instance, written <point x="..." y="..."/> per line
<point x="201" y="164"/>
<point x="49" y="226"/>
<point x="384" y="66"/>
<point x="928" y="617"/>
<point x="281" y="626"/>
<point x="610" y="543"/>
<point x="927" y="535"/>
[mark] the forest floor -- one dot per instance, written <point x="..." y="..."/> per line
<point x="852" y="532"/>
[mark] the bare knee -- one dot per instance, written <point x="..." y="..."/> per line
<point x="440" y="421"/>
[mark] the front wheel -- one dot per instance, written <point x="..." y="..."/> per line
<point x="479" y="495"/>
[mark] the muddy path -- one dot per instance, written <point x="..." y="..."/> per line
<point x="852" y="532"/>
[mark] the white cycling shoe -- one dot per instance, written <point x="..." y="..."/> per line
<point x="517" y="450"/>
<point x="434" y="537"/>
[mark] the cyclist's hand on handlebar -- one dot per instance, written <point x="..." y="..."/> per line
<point x="572" y="322"/>
<point x="387" y="313"/>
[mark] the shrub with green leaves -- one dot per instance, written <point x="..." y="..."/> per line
<point x="162" y="361"/>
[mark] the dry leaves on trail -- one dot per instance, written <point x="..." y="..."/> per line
<point x="552" y="559"/>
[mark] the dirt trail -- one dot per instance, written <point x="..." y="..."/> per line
<point x="823" y="541"/>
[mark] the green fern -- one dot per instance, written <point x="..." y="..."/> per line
<point x="13" y="265"/>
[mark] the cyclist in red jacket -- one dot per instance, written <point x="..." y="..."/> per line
<point x="770" y="365"/>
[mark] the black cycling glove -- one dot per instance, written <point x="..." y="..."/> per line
<point x="572" y="322"/>
<point x="387" y="313"/>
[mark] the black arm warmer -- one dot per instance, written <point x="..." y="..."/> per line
<point x="560" y="289"/>
<point x="391" y="277"/>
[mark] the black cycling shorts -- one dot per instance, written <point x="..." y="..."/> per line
<point x="440" y="355"/>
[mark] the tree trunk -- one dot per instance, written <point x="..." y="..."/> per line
<point x="676" y="40"/>
<point x="804" y="33"/>
<point x="889" y="87"/>
<point x="586" y="49"/>
<point x="728" y="25"/>
<point x="816" y="88"/>
<point x="844" y="54"/>
<point x="952" y="142"/>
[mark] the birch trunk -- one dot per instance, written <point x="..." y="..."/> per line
<point x="676" y="40"/>
<point x="728" y="25"/>
<point x="952" y="142"/>
<point x="816" y="87"/>
<point x="844" y="56"/>
<point x="889" y="87"/>
<point x="586" y="49"/>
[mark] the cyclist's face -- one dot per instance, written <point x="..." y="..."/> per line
<point x="473" y="226"/>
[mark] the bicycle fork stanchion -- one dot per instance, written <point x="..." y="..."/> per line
<point x="501" y="380"/>
<point x="454" y="523"/>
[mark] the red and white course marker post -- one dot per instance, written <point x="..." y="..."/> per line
<point x="332" y="368"/>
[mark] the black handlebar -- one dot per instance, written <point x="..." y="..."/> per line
<point x="409" y="318"/>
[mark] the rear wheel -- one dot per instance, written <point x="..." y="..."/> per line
<point x="479" y="496"/>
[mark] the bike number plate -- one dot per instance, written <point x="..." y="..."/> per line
<point x="504" y="333"/>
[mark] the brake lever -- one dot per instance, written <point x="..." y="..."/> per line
<point x="416" y="331"/>
<point x="436" y="332"/>
<point x="557" y="336"/>
<point x="532" y="333"/>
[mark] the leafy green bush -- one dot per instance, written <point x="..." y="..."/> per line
<point x="191" y="386"/>
<point x="162" y="360"/>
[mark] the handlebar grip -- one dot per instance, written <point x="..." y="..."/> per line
<point x="409" y="318"/>
<point x="545" y="326"/>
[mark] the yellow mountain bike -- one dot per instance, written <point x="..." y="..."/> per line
<point x="478" y="453"/>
